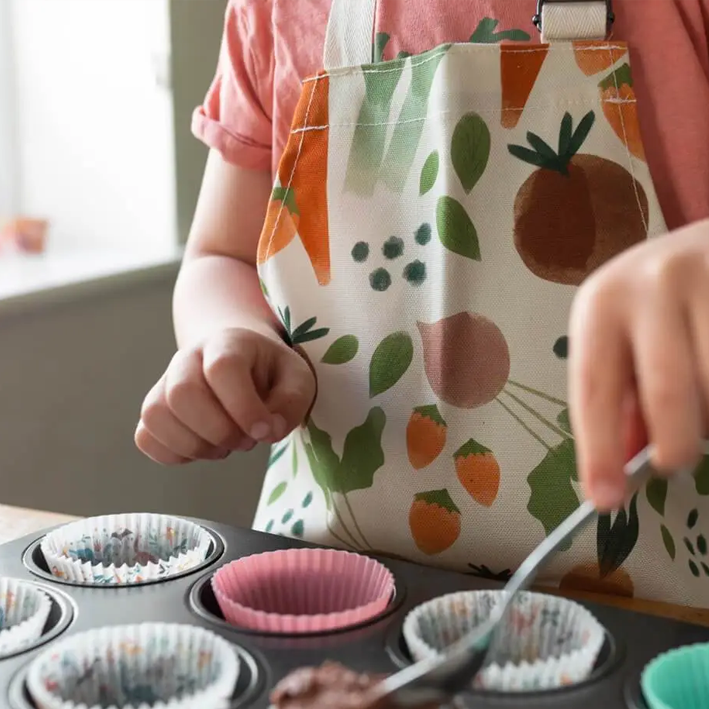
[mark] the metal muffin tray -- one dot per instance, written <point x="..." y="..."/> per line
<point x="632" y="639"/>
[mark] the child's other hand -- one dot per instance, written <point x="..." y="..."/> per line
<point x="238" y="388"/>
<point x="639" y="361"/>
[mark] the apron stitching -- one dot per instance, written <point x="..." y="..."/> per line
<point x="415" y="62"/>
<point x="295" y="166"/>
<point x="491" y="111"/>
<point x="630" y="157"/>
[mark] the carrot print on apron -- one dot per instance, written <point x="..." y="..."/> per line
<point x="431" y="221"/>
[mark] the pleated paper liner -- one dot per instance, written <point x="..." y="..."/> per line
<point x="544" y="642"/>
<point x="124" y="548"/>
<point x="136" y="667"/>
<point x="678" y="679"/>
<point x="24" y="610"/>
<point x="299" y="591"/>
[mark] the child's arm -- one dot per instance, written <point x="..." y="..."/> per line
<point x="233" y="381"/>
<point x="218" y="286"/>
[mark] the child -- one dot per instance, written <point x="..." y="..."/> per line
<point x="399" y="328"/>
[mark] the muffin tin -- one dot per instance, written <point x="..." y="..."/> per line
<point x="632" y="639"/>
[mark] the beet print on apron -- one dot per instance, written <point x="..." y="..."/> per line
<point x="431" y="222"/>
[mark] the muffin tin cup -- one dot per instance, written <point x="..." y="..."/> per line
<point x="544" y="642"/>
<point x="125" y="549"/>
<point x="162" y="665"/>
<point x="678" y="679"/>
<point x="302" y="591"/>
<point x="24" y="610"/>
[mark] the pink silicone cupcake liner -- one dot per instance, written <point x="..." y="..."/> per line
<point x="298" y="591"/>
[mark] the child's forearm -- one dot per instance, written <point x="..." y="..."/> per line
<point x="215" y="293"/>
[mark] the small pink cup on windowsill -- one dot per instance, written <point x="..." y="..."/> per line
<point x="25" y="235"/>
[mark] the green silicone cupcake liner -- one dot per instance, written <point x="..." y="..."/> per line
<point x="678" y="679"/>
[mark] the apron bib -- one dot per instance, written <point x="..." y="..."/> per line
<point x="432" y="219"/>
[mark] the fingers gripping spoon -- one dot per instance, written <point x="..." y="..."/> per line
<point x="435" y="680"/>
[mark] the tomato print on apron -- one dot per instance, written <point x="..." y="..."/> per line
<point x="432" y="219"/>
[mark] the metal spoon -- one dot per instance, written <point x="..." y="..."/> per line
<point x="437" y="679"/>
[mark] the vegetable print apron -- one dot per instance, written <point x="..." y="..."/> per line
<point x="432" y="219"/>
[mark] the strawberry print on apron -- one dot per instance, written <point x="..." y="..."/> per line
<point x="431" y="222"/>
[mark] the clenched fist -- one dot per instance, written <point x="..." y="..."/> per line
<point x="236" y="389"/>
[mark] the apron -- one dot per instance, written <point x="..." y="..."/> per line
<point x="431" y="221"/>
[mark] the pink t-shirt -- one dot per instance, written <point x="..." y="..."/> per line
<point x="270" y="46"/>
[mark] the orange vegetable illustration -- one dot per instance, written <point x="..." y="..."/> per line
<point x="434" y="521"/>
<point x="621" y="109"/>
<point x="519" y="69"/>
<point x="281" y="224"/>
<point x="466" y="359"/>
<point x="594" y="57"/>
<point x="425" y="436"/>
<point x="589" y="222"/>
<point x="478" y="472"/>
<point x="303" y="171"/>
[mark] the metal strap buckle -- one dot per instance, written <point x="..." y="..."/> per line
<point x="537" y="19"/>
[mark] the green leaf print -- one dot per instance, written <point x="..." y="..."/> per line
<point x="362" y="454"/>
<point x="294" y="459"/>
<point x="553" y="497"/>
<point x="564" y="421"/>
<point x="408" y="130"/>
<point x="305" y="333"/>
<point x="323" y="460"/>
<point x="369" y="140"/>
<point x="287" y="196"/>
<point x="669" y="542"/>
<point x="701" y="477"/>
<point x="342" y="350"/>
<point x="616" y="542"/>
<point x="470" y="150"/>
<point x="485" y="33"/>
<point x="277" y="493"/>
<point x="390" y="362"/>
<point x="380" y="43"/>
<point x="277" y="454"/>
<point x="656" y="492"/>
<point x="455" y="229"/>
<point x="429" y="173"/>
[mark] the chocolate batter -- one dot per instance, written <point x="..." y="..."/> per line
<point x="330" y="686"/>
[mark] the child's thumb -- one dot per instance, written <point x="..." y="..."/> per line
<point x="292" y="394"/>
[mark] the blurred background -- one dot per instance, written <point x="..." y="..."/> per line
<point x="99" y="175"/>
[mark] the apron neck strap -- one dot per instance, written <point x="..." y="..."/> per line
<point x="350" y="34"/>
<point x="569" y="20"/>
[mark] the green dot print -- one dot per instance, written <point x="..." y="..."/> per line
<point x="298" y="528"/>
<point x="307" y="500"/>
<point x="561" y="347"/>
<point x="415" y="273"/>
<point x="287" y="517"/>
<point x="269" y="527"/>
<point x="393" y="247"/>
<point x="360" y="251"/>
<point x="423" y="234"/>
<point x="380" y="279"/>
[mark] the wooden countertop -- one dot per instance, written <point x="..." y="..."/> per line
<point x="17" y="522"/>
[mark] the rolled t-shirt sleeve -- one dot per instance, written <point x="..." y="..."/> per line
<point x="235" y="118"/>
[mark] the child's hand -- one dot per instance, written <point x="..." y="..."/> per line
<point x="639" y="369"/>
<point x="238" y="388"/>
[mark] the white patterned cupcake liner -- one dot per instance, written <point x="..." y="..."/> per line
<point x="544" y="642"/>
<point x="24" y="610"/>
<point x="151" y="665"/>
<point x="124" y="548"/>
